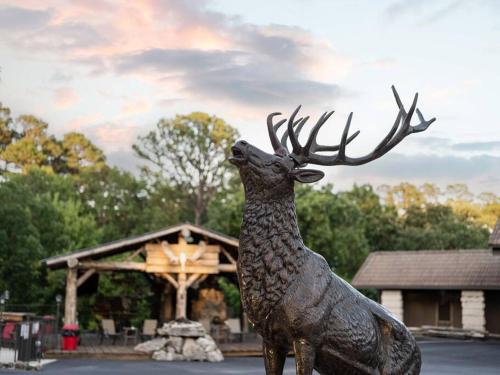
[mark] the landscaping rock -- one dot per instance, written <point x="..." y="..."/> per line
<point x="215" y="356"/>
<point x="192" y="351"/>
<point x="182" y="340"/>
<point x="176" y="343"/>
<point x="151" y="345"/>
<point x="182" y="328"/>
<point x="207" y="343"/>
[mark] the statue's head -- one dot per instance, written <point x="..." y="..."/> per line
<point x="272" y="175"/>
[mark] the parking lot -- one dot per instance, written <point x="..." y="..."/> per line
<point x="440" y="357"/>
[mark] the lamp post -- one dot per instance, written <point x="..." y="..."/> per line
<point x="3" y="300"/>
<point x="58" y="306"/>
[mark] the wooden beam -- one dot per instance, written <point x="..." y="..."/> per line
<point x="228" y="256"/>
<point x="85" y="277"/>
<point x="135" y="253"/>
<point x="197" y="283"/>
<point x="192" y="279"/>
<point x="227" y="267"/>
<point x="114" y="266"/>
<point x="188" y="269"/>
<point x="170" y="279"/>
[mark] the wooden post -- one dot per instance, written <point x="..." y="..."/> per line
<point x="180" y="310"/>
<point x="166" y="308"/>
<point x="71" y="288"/>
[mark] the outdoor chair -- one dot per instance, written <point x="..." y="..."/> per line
<point x="108" y="330"/>
<point x="149" y="329"/>
<point x="206" y="323"/>
<point x="234" y="329"/>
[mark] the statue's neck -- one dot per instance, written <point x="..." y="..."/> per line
<point x="271" y="253"/>
<point x="270" y="216"/>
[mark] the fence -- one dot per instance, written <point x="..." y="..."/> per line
<point x="26" y="341"/>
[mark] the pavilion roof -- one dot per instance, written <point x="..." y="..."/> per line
<point x="132" y="243"/>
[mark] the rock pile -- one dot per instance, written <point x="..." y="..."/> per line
<point x="182" y="340"/>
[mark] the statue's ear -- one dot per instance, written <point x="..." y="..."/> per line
<point x="306" y="175"/>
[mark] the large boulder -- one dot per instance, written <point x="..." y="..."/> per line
<point x="182" y="328"/>
<point x="207" y="343"/>
<point x="176" y="343"/>
<point x="151" y="345"/>
<point x="215" y="356"/>
<point x="182" y="340"/>
<point x="192" y="351"/>
<point x="167" y="355"/>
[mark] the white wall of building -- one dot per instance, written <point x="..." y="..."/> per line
<point x="393" y="301"/>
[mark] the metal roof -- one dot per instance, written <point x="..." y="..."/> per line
<point x="430" y="269"/>
<point x="130" y="243"/>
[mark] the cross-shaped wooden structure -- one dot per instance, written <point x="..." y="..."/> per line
<point x="182" y="255"/>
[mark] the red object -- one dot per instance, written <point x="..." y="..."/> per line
<point x="8" y="331"/>
<point x="70" y="342"/>
<point x="70" y="336"/>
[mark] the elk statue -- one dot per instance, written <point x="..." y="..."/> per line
<point x="289" y="292"/>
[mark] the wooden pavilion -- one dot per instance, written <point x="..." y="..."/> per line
<point x="182" y="255"/>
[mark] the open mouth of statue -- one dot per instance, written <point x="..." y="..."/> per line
<point x="237" y="157"/>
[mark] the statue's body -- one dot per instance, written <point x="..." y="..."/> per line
<point x="289" y="292"/>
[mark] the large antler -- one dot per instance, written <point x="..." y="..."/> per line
<point x="308" y="153"/>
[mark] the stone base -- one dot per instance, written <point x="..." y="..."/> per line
<point x="182" y="340"/>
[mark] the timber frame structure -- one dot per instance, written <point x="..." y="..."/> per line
<point x="183" y="255"/>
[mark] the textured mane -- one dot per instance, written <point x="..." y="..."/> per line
<point x="271" y="253"/>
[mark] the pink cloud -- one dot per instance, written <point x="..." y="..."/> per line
<point x="137" y="106"/>
<point x="65" y="97"/>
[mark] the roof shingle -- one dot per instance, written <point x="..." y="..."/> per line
<point x="436" y="269"/>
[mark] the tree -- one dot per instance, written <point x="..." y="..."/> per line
<point x="25" y="143"/>
<point x="117" y="201"/>
<point x="332" y="225"/>
<point x="437" y="227"/>
<point x="225" y="211"/>
<point x="190" y="152"/>
<point x="6" y="133"/>
<point x="380" y="222"/>
<point x="79" y="155"/>
<point x="32" y="146"/>
<point x="40" y="216"/>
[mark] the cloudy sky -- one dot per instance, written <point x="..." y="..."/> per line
<point x="111" y="69"/>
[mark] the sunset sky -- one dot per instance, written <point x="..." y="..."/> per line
<point x="111" y="69"/>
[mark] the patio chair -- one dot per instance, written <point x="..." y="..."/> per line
<point x="234" y="329"/>
<point x="149" y="329"/>
<point x="205" y="322"/>
<point x="108" y="330"/>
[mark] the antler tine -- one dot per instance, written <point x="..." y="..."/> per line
<point x="423" y="123"/>
<point x="296" y="147"/>
<point x="278" y="148"/>
<point x="314" y="132"/>
<point x="402" y="127"/>
<point x="297" y="125"/>
<point x="343" y="141"/>
<point x="320" y="148"/>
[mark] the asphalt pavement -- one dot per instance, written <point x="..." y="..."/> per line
<point x="440" y="357"/>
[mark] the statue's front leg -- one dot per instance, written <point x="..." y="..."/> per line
<point x="304" y="357"/>
<point x="274" y="359"/>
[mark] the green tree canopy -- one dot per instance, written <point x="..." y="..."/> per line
<point x="189" y="152"/>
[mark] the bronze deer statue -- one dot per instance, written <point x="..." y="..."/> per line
<point x="289" y="292"/>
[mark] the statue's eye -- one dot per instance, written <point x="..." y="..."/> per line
<point x="277" y="167"/>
